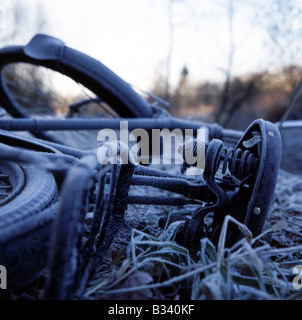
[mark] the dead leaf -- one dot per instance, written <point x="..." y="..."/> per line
<point x="136" y="279"/>
<point x="279" y="225"/>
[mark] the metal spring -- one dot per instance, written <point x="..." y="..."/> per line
<point x="240" y="163"/>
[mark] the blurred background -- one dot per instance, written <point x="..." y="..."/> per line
<point x="224" y="61"/>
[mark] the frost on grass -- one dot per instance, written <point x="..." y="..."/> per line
<point x="286" y="210"/>
<point x="150" y="265"/>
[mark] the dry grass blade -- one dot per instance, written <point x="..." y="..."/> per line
<point x="223" y="235"/>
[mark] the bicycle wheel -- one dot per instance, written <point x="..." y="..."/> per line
<point x="26" y="212"/>
<point x="28" y="206"/>
<point x="26" y="89"/>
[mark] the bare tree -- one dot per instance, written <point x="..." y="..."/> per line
<point x="24" y="21"/>
<point x="283" y="25"/>
<point x="170" y="48"/>
<point x="225" y="94"/>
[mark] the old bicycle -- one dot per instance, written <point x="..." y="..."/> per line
<point x="48" y="187"/>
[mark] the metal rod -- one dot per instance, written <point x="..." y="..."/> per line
<point x="26" y="124"/>
<point x="171" y="123"/>
<point x="196" y="190"/>
<point x="147" y="171"/>
<point x="160" y="201"/>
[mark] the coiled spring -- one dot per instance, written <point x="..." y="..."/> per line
<point x="239" y="163"/>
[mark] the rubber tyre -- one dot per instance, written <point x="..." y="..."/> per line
<point x="80" y="67"/>
<point x="25" y="221"/>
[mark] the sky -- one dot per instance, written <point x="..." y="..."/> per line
<point x="135" y="37"/>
